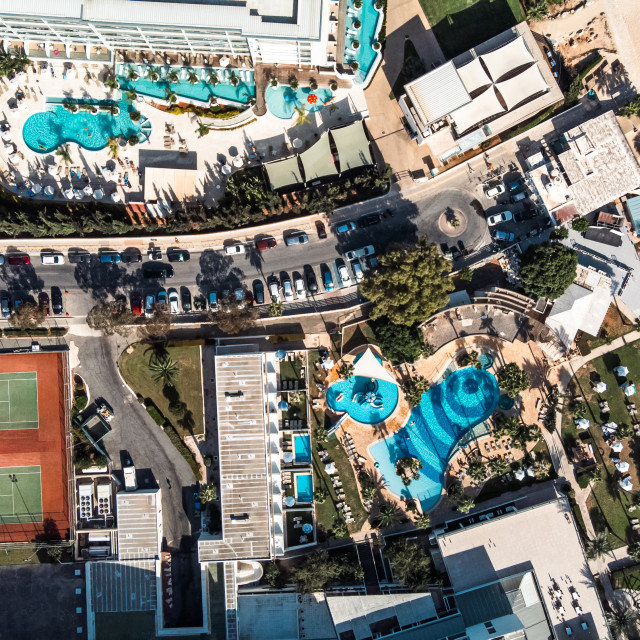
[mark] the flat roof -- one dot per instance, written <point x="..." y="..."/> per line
<point x="139" y="524"/>
<point x="245" y="479"/>
<point x="122" y="586"/>
<point x="543" y="538"/>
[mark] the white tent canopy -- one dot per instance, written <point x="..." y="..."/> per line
<point x="622" y="467"/>
<point x="617" y="447"/>
<point x="484" y="106"/>
<point x="473" y="76"/>
<point x="368" y="366"/>
<point x="524" y="85"/>
<point x="507" y="58"/>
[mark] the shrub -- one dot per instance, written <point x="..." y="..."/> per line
<point x="580" y="225"/>
<point x="293" y="83"/>
<point x="157" y="417"/>
<point x="376" y="46"/>
<point x="355" y="66"/>
<point x="58" y="331"/>
<point x="133" y="140"/>
<point x="182" y="448"/>
<point x="80" y="403"/>
<point x="313" y="85"/>
<point x="357" y="24"/>
<point x="355" y="44"/>
<point x="208" y="461"/>
<point x="333" y="85"/>
<point x="134" y="115"/>
<point x="560" y="233"/>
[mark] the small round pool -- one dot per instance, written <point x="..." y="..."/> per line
<point x="283" y="100"/>
<point x="485" y="360"/>
<point x="505" y="402"/>
<point x="366" y="400"/>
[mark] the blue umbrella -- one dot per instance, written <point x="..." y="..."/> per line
<point x="283" y="405"/>
<point x="281" y="354"/>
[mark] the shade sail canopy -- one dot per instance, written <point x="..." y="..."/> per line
<point x="318" y="161"/>
<point x="352" y="145"/>
<point x="522" y="87"/>
<point x="507" y="58"/>
<point x="284" y="173"/>
<point x="484" y="106"/>
<point x="473" y="76"/>
<point x="368" y="366"/>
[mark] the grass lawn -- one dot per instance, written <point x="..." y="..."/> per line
<point x="461" y="24"/>
<point x="30" y="554"/>
<point x="627" y="578"/>
<point x="135" y="370"/>
<point x="290" y="369"/>
<point x="298" y="409"/>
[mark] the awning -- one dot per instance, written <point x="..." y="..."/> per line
<point x="368" y="366"/>
<point x="523" y="86"/>
<point x="318" y="161"/>
<point x="507" y="58"/>
<point x="484" y="106"/>
<point x="473" y="76"/>
<point x="284" y="173"/>
<point x="352" y="145"/>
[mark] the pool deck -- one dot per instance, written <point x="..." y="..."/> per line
<point x="271" y="136"/>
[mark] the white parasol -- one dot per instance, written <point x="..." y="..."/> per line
<point x="88" y="190"/>
<point x="630" y="390"/>
<point x="69" y="193"/>
<point x="289" y="501"/>
<point x="115" y="196"/>
<point x="226" y="169"/>
<point x="626" y="484"/>
<point x="36" y="187"/>
<point x="621" y="371"/>
<point x="14" y="157"/>
<point x="583" y="423"/>
<point x="53" y="169"/>
<point x="98" y="194"/>
<point x="611" y="426"/>
<point x="601" y="387"/>
<point x="224" y="61"/>
<point x="519" y="474"/>
<point x="6" y="136"/>
<point x="287" y="457"/>
<point x="622" y="467"/>
<point x="237" y="162"/>
<point x="330" y="468"/>
<point x="297" y="143"/>
<point x="49" y="190"/>
<point x="617" y="447"/>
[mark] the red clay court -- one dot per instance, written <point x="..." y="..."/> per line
<point x="35" y="408"/>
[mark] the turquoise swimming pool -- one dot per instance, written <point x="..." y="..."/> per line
<point x="365" y="35"/>
<point x="364" y="399"/>
<point x="47" y="130"/>
<point x="283" y="100"/>
<point x="446" y="412"/>
<point x="304" y="487"/>
<point x="302" y="448"/>
<point x="200" y="90"/>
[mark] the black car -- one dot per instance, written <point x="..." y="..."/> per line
<point x="56" y="300"/>
<point x="178" y="255"/>
<point x="369" y="220"/>
<point x="185" y="295"/>
<point x="43" y="302"/>
<point x="312" y="283"/>
<point x="131" y="255"/>
<point x="158" y="272"/>
<point x="76" y="257"/>
<point x="258" y="292"/>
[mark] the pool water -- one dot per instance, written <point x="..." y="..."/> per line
<point x="352" y="396"/>
<point x="446" y="412"/>
<point x="47" y="130"/>
<point x="283" y="100"/>
<point x="302" y="448"/>
<point x="485" y="360"/>
<point x="366" y="36"/>
<point x="202" y="90"/>
<point x="304" y="487"/>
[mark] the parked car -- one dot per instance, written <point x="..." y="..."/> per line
<point x="239" y="297"/>
<point x="178" y="255"/>
<point x="327" y="279"/>
<point x="185" y="298"/>
<point x="258" y="292"/>
<point x="346" y="226"/>
<point x="131" y="255"/>
<point x="213" y="301"/>
<point x="77" y="257"/>
<point x="287" y="290"/>
<point x="161" y="298"/>
<point x="158" y="272"/>
<point x="296" y="239"/>
<point x="5" y="307"/>
<point x="369" y="220"/>
<point x="234" y="249"/>
<point x="494" y="191"/>
<point x="136" y="305"/>
<point x="149" y="301"/>
<point x="154" y="253"/>
<point x="518" y="197"/>
<point x="301" y="292"/>
<point x="110" y="257"/>
<point x="274" y="290"/>
<point x="498" y="218"/>
<point x="369" y="250"/>
<point x="357" y="271"/>
<point x="196" y="501"/>
<point x="43" y="302"/>
<point x="174" y="301"/>
<point x="345" y="278"/>
<point x="312" y="283"/>
<point x="503" y="236"/>
<point x="56" y="301"/>
<point x="17" y="303"/>
<point x="265" y="243"/>
<point x="322" y="232"/>
<point x="18" y="259"/>
<point x="516" y="185"/>
<point x="52" y="258"/>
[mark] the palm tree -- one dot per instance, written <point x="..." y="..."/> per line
<point x="130" y="96"/>
<point x="153" y="75"/>
<point x="63" y="152"/>
<point x="600" y="546"/>
<point x="213" y="79"/>
<point x="111" y="82"/>
<point x="192" y="77"/>
<point x="389" y="516"/>
<point x="498" y="467"/>
<point x="233" y="79"/>
<point x="369" y="493"/>
<point x="293" y="82"/>
<point x="477" y="469"/>
<point x="276" y="309"/>
<point x="622" y="620"/>
<point x="202" y="129"/>
<point x="173" y="77"/>
<point x="302" y="114"/>
<point x="114" y="147"/>
<point x="207" y="493"/>
<point x="346" y="370"/>
<point x="538" y="11"/>
<point x="132" y="74"/>
<point x="163" y="369"/>
<point x="170" y="96"/>
<point x="423" y="521"/>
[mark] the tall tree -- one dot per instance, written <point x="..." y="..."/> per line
<point x="231" y="319"/>
<point x="414" y="389"/>
<point x="623" y="621"/>
<point x="27" y="316"/>
<point x="316" y="572"/>
<point x="207" y="493"/>
<point x="498" y="467"/>
<point x="548" y="269"/>
<point x="111" y="317"/>
<point x="600" y="546"/>
<point x="513" y="379"/>
<point x="398" y="343"/>
<point x="411" y="565"/>
<point x="389" y="516"/>
<point x="409" y="284"/>
<point x="477" y="469"/>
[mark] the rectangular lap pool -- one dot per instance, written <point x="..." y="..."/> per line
<point x="302" y="449"/>
<point x="304" y="487"/>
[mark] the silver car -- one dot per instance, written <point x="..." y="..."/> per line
<point x="287" y="290"/>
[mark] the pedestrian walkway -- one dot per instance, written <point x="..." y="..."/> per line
<point x="369" y="567"/>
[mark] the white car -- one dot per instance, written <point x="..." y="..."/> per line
<point x="497" y="218"/>
<point x="495" y="191"/>
<point x="234" y="249"/>
<point x="287" y="290"/>
<point x="52" y="258"/>
<point x="344" y="275"/>
<point x="357" y="271"/>
<point x="274" y="291"/>
<point x="369" y="250"/>
<point x="174" y="303"/>
<point x="301" y="292"/>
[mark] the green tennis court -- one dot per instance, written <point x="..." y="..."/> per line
<point x="19" y="400"/>
<point x="20" y="495"/>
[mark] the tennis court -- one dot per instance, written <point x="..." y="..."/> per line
<point x="19" y="400"/>
<point x="20" y="495"/>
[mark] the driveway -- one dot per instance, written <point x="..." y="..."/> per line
<point x="136" y="433"/>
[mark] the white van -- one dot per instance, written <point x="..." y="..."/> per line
<point x="52" y="258"/>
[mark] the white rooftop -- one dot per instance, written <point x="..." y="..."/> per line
<point x="123" y="586"/>
<point x="139" y="524"/>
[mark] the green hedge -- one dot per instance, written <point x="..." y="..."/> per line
<point x="158" y="418"/>
<point x="33" y="333"/>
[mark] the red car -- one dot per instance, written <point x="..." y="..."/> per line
<point x="322" y="232"/>
<point x="266" y="243"/>
<point x="136" y="305"/>
<point x="18" y="259"/>
<point x="43" y="301"/>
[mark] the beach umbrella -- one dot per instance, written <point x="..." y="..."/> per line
<point x="79" y="195"/>
<point x="49" y="190"/>
<point x="297" y="143"/>
<point x="69" y="193"/>
<point x="622" y="467"/>
<point x="105" y="171"/>
<point x="617" y="447"/>
<point x="630" y="390"/>
<point x="330" y="468"/>
<point x="37" y="187"/>
<point x="53" y="169"/>
<point x="307" y="528"/>
<point x="611" y="426"/>
<point x="115" y="196"/>
<point x="531" y="472"/>
<point x="224" y="61"/>
<point x="14" y="157"/>
<point x="88" y="191"/>
<point x="621" y="371"/>
<point x="98" y="194"/>
<point x="283" y="405"/>
<point x="519" y="474"/>
<point x="287" y="457"/>
<point x="226" y="169"/>
<point x="281" y="354"/>
<point x="601" y="387"/>
<point x="289" y="501"/>
<point x="626" y="484"/>
<point x="9" y="146"/>
<point x="237" y="162"/>
<point x="583" y="423"/>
